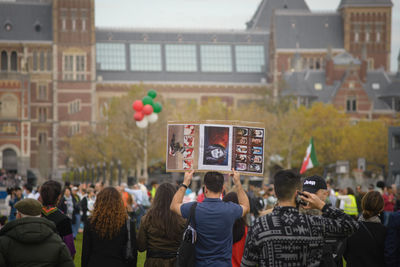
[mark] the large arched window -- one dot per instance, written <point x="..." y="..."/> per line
<point x="10" y="160"/>
<point x="14" y="61"/>
<point x="4" y="61"/>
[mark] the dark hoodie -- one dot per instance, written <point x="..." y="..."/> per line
<point x="32" y="241"/>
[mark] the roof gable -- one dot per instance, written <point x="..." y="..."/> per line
<point x="309" y="83"/>
<point x="356" y="90"/>
<point x="261" y="20"/>
<point x="305" y="30"/>
<point x="29" y="22"/>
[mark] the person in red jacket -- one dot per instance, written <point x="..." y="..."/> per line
<point x="239" y="233"/>
<point x="389" y="200"/>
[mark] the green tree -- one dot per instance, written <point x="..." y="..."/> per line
<point x="118" y="138"/>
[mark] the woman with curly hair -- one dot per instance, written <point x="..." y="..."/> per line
<point x="105" y="235"/>
<point x="161" y="230"/>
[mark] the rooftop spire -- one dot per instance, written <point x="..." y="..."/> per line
<point x="297" y="63"/>
<point x="398" y="64"/>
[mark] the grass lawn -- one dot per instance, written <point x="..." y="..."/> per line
<point x="141" y="255"/>
<point x="78" y="247"/>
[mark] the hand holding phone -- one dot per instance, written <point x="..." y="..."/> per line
<point x="299" y="200"/>
<point x="314" y="202"/>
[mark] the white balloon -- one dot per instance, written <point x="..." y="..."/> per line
<point x="143" y="123"/>
<point x="152" y="117"/>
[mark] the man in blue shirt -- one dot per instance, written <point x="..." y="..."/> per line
<point x="214" y="218"/>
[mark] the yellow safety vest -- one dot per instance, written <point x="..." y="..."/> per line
<point x="153" y="192"/>
<point x="351" y="209"/>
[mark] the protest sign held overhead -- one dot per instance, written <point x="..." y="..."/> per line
<point x="216" y="146"/>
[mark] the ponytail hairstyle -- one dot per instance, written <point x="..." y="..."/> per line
<point x="372" y="204"/>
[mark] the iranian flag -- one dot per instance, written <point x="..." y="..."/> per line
<point x="310" y="160"/>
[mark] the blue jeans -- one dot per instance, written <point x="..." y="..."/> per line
<point x="75" y="226"/>
<point x="139" y="214"/>
<point x="386" y="217"/>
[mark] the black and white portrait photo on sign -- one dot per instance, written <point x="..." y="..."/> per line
<point x="215" y="147"/>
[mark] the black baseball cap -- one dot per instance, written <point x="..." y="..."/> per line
<point x="314" y="183"/>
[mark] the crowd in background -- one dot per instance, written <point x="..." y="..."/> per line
<point x="264" y="198"/>
<point x="9" y="179"/>
<point x="104" y="214"/>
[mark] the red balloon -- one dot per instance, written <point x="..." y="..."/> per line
<point x="137" y="105"/>
<point x="138" y="116"/>
<point x="147" y="109"/>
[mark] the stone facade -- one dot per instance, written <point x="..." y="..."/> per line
<point x="50" y="83"/>
<point x="362" y="28"/>
<point x="53" y="83"/>
<point x="368" y="27"/>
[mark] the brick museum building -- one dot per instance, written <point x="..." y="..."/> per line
<point x="58" y="71"/>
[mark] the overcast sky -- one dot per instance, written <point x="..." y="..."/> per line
<point x="208" y="14"/>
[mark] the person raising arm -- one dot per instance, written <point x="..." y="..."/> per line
<point x="242" y="197"/>
<point x="214" y="219"/>
<point x="178" y="198"/>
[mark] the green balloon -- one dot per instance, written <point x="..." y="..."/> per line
<point x="157" y="107"/>
<point x="147" y="100"/>
<point x="152" y="94"/>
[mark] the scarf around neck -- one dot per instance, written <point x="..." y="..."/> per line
<point x="373" y="219"/>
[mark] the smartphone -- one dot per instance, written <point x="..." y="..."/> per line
<point x="299" y="200"/>
<point x="301" y="194"/>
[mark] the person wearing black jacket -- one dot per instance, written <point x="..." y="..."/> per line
<point x="392" y="242"/>
<point x="31" y="240"/>
<point x="50" y="194"/>
<point x="105" y="236"/>
<point x="333" y="249"/>
<point x="287" y="237"/>
<point x="366" y="246"/>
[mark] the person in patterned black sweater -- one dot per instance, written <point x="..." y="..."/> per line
<point x="286" y="237"/>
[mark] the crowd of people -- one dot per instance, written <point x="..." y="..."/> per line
<point x="9" y="179"/>
<point x="291" y="222"/>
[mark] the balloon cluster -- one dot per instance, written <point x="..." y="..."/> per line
<point x="146" y="109"/>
